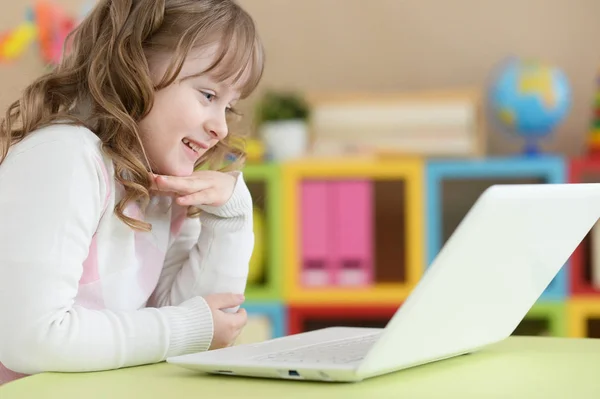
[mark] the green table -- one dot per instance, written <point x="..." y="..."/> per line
<point x="520" y="367"/>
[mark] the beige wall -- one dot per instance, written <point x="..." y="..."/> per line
<point x="382" y="45"/>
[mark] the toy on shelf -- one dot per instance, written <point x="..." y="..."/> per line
<point x="54" y="25"/>
<point x="593" y="139"/>
<point x="353" y="230"/>
<point x="529" y="99"/>
<point x="13" y="44"/>
<point x="46" y="24"/>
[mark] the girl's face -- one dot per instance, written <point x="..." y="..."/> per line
<point x="187" y="118"/>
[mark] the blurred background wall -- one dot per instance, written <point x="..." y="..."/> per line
<point x="381" y="46"/>
<point x="392" y="45"/>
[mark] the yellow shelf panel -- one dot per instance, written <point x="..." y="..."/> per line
<point x="365" y="167"/>
<point x="580" y="310"/>
<point x="381" y="294"/>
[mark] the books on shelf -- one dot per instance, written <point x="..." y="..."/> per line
<point x="336" y="233"/>
<point x="447" y="123"/>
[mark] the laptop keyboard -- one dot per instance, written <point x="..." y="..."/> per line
<point x="337" y="352"/>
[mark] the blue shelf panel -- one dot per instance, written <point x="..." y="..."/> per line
<point x="559" y="287"/>
<point x="551" y="169"/>
<point x="276" y="312"/>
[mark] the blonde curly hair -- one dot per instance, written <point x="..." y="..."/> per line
<point x="106" y="66"/>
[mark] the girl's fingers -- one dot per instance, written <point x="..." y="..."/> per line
<point x="198" y="198"/>
<point x="164" y="193"/>
<point x="181" y="185"/>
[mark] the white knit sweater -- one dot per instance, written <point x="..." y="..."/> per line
<point x="82" y="291"/>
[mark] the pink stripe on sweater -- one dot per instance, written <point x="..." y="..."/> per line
<point x="151" y="263"/>
<point x="90" y="265"/>
<point x="178" y="218"/>
<point x="7" y="375"/>
<point x="90" y="296"/>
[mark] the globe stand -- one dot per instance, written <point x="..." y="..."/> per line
<point x="532" y="148"/>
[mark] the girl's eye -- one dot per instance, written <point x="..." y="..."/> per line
<point x="209" y="96"/>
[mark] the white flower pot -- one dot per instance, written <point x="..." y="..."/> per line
<point x="284" y="140"/>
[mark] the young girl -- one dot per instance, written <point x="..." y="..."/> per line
<point x="114" y="251"/>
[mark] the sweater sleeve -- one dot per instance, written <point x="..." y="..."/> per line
<point x="51" y="199"/>
<point x="211" y="255"/>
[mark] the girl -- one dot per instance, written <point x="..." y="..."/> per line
<point x="114" y="251"/>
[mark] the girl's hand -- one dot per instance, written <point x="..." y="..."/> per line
<point x="228" y="319"/>
<point x="205" y="187"/>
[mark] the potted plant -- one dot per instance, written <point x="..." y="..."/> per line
<point x="282" y="124"/>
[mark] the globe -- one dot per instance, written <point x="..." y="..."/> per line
<point x="530" y="99"/>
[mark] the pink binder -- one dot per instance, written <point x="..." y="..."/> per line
<point x="315" y="216"/>
<point x="353" y="221"/>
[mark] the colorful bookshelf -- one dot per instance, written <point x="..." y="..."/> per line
<point x="585" y="263"/>
<point x="307" y="318"/>
<point x="264" y="183"/>
<point x="546" y="318"/>
<point x="468" y="178"/>
<point x="347" y="240"/>
<point x="584" y="318"/>
<point x="593" y="139"/>
<point x="326" y="261"/>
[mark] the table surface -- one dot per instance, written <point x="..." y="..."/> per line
<point x="519" y="367"/>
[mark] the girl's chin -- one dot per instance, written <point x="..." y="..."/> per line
<point x="177" y="171"/>
<point x="183" y="172"/>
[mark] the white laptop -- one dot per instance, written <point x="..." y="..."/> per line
<point x="492" y="270"/>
